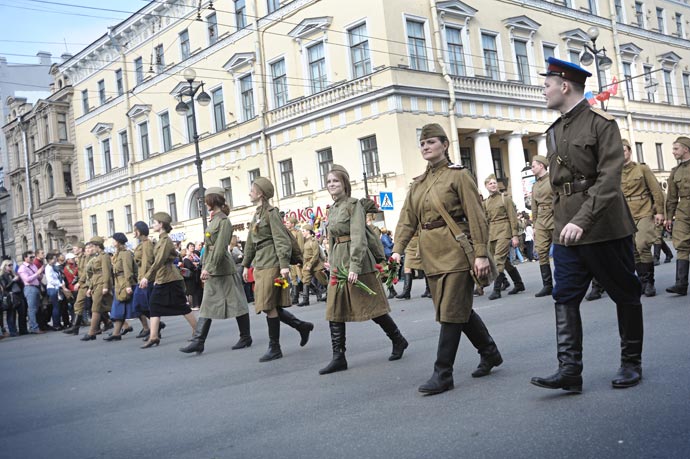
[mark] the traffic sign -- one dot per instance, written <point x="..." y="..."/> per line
<point x="386" y="200"/>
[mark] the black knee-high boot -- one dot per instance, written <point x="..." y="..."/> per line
<point x="514" y="274"/>
<point x="74" y="329"/>
<point x="245" y="333"/>
<point x="478" y="334"/>
<point x="427" y="292"/>
<point x="442" y="378"/>
<point x="203" y="325"/>
<point x="388" y="325"/>
<point x="304" y="328"/>
<point x="631" y="330"/>
<point x="498" y="283"/>
<point x="273" y="351"/>
<point x="596" y="292"/>
<point x="338" y="363"/>
<point x="681" y="285"/>
<point x="547" y="281"/>
<point x="405" y="295"/>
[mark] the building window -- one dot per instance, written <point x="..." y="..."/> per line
<point x="101" y="91"/>
<point x="359" y="51"/>
<point x="287" y="177"/>
<point x="549" y="51"/>
<point x="686" y="88"/>
<point x="253" y="175"/>
<point x="90" y="165"/>
<point x="639" y="14"/>
<point x="649" y="85"/>
<point x="195" y="204"/>
<point x="51" y="181"/>
<point x="279" y="83"/>
<point x="128" y="218"/>
<point x="62" y="127"/>
<point x="456" y="55"/>
<point x="118" y="82"/>
<point x="94" y="226"/>
<point x="639" y="151"/>
<point x="166" y="136"/>
<point x="111" y="222"/>
<point x="20" y="199"/>
<point x="592" y="6"/>
<point x="185" y="49"/>
<point x="172" y="207"/>
<point x="522" y="61"/>
<point x="370" y="155"/>
<point x="144" y="139"/>
<point x="4" y="222"/>
<point x="139" y="70"/>
<point x="67" y="179"/>
<point x="247" y="96"/>
<point x="627" y="74"/>
<point x="679" y="25"/>
<point x="240" y="14"/>
<point x="659" y="156"/>
<point x="84" y="102"/>
<point x="107" y="160"/>
<point x="490" y="56"/>
<point x="273" y="5"/>
<point x="668" y="83"/>
<point x="618" y="4"/>
<point x="149" y="211"/>
<point x="317" y="68"/>
<point x="466" y="158"/>
<point x="416" y="44"/>
<point x="189" y="118"/>
<point x="218" y="109"/>
<point x="160" y="58"/>
<point x="226" y="184"/>
<point x="212" y="28"/>
<point x="325" y="158"/>
<point x="660" y="20"/>
<point x="498" y="163"/>
<point x="124" y="148"/>
<point x="574" y="56"/>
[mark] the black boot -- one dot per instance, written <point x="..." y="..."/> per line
<point x="274" y="351"/>
<point x="391" y="292"/>
<point x="681" y="287"/>
<point x="399" y="342"/>
<point x="427" y="292"/>
<point x="448" y="341"/>
<point x="657" y="254"/>
<point x="203" y="325"/>
<point x="245" y="334"/>
<point x="294" y="294"/>
<point x="74" y="329"/>
<point x="405" y="295"/>
<point x="498" y="283"/>
<point x="305" y="296"/>
<point x="304" y="328"/>
<point x="595" y="293"/>
<point x="642" y="275"/>
<point x="569" y="339"/>
<point x="338" y="363"/>
<point x="547" y="281"/>
<point x="479" y="336"/>
<point x="668" y="254"/>
<point x="320" y="293"/>
<point x="648" y="288"/>
<point x="505" y="285"/>
<point x="517" y="280"/>
<point x="631" y="331"/>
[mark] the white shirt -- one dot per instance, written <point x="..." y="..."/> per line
<point x="529" y="233"/>
<point x="52" y="277"/>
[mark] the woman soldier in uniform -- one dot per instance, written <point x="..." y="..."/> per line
<point x="268" y="248"/>
<point x="312" y="267"/>
<point x="143" y="257"/>
<point x="223" y="292"/>
<point x="503" y="231"/>
<point x="123" y="271"/>
<point x="168" y="297"/>
<point x="349" y="252"/>
<point x="99" y="285"/>
<point x="447" y="262"/>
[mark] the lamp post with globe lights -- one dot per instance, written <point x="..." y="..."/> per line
<point x="596" y="55"/>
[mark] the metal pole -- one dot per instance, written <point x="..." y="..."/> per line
<point x="200" y="178"/>
<point x="366" y="188"/>
<point x="596" y="68"/>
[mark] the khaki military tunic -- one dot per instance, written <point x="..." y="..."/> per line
<point x="123" y="272"/>
<point x="503" y="226"/>
<point x="295" y="270"/>
<point x="224" y="296"/>
<point x="162" y="270"/>
<point x="80" y="302"/>
<point x="678" y="208"/>
<point x="542" y="213"/>
<point x="349" y="252"/>
<point x="313" y="266"/>
<point x="99" y="272"/>
<point x="446" y="262"/>
<point x="584" y="150"/>
<point x="143" y="256"/>
<point x="375" y="229"/>
<point x="268" y="248"/>
<point x="645" y="199"/>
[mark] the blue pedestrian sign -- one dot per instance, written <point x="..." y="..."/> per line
<point x="386" y="200"/>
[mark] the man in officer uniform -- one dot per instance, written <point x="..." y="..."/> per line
<point x="678" y="208"/>
<point x="593" y="228"/>
<point x="542" y="212"/>
<point x="646" y="203"/>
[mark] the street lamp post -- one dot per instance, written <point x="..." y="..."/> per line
<point x="596" y="55"/>
<point x="182" y="108"/>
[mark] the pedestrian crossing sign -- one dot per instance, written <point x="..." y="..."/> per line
<point x="386" y="200"/>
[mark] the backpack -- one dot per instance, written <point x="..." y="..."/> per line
<point x="374" y="243"/>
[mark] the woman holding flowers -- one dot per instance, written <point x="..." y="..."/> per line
<point x="446" y="194"/>
<point x="355" y="293"/>
<point x="269" y="249"/>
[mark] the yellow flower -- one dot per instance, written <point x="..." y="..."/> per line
<point x="208" y="234"/>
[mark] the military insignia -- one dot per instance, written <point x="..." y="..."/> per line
<point x="455" y="166"/>
<point x="602" y="113"/>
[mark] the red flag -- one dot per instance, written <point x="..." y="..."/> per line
<point x="614" y="86"/>
<point x="602" y="96"/>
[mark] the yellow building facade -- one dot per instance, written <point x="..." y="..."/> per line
<point x="296" y="86"/>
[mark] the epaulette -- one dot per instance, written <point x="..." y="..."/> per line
<point x="455" y="166"/>
<point x="419" y="177"/>
<point x="602" y="113"/>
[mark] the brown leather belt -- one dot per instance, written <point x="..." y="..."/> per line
<point x="263" y="244"/>
<point x="440" y="223"/>
<point x="576" y="186"/>
<point x="545" y="207"/>
<point x="637" y="198"/>
<point x="341" y="239"/>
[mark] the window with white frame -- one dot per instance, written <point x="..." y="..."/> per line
<point x="94" y="226"/>
<point x="124" y="148"/>
<point x="212" y="28"/>
<point x="240" y="14"/>
<point x="668" y="86"/>
<point x="497" y="160"/>
<point x="522" y="61"/>
<point x="172" y="207"/>
<point x="101" y="92"/>
<point x="456" y="55"/>
<point x="639" y="14"/>
<point x="84" y="101"/>
<point x="686" y="88"/>
<point x="118" y="82"/>
<point x="466" y="158"/>
<point x="574" y="56"/>
<point x="144" y="140"/>
<point x="247" y="97"/>
<point x="90" y="163"/>
<point x="51" y="181"/>
<point x="639" y="152"/>
<point x="649" y="87"/>
<point x="416" y="45"/>
<point x="325" y="159"/>
<point x="160" y="58"/>
<point x="618" y="4"/>
<point x="679" y="25"/>
<point x="62" y="127"/>
<point x="287" y="177"/>
<point x="279" y="83"/>
<point x="253" y="175"/>
<point x="149" y="211"/>
<point x="166" y="135"/>
<point x="185" y="46"/>
<point x="218" y="109"/>
<point x="226" y="185"/>
<point x="660" y="20"/>
<point x="370" y="155"/>
<point x="139" y="70"/>
<point x="316" y="57"/>
<point x="189" y="122"/>
<point x="128" y="218"/>
<point x="660" y="156"/>
<point x="273" y="5"/>
<point x="548" y="51"/>
<point x="196" y="205"/>
<point x="359" y="51"/>
<point x="107" y="160"/>
<point x="627" y="74"/>
<point x="111" y="222"/>
<point x="491" y="68"/>
<point x="592" y="5"/>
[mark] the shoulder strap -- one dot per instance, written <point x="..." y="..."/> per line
<point x="454" y="228"/>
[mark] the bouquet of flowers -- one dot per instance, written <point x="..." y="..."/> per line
<point x="281" y="282"/>
<point x="339" y="278"/>
<point x="390" y="272"/>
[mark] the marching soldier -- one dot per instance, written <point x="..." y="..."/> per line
<point x="295" y="270"/>
<point x="80" y="302"/>
<point x="678" y="213"/>
<point x="542" y="211"/>
<point x="646" y="203"/>
<point x="312" y="267"/>
<point x="99" y="284"/>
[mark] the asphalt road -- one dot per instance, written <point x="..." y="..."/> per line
<point x="63" y="398"/>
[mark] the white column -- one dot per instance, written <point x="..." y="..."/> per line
<point x="541" y="145"/>
<point x="484" y="165"/>
<point x="516" y="162"/>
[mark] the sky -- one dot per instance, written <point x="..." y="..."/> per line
<point x="30" y="26"/>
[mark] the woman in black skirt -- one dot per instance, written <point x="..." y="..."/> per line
<point x="168" y="296"/>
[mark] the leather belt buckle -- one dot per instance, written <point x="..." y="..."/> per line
<point x="567" y="188"/>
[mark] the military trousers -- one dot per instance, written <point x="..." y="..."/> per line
<point x="542" y="244"/>
<point x="500" y="248"/>
<point x="80" y="302"/>
<point x="644" y="240"/>
<point x="681" y="235"/>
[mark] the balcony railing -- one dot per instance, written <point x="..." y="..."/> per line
<point x="483" y="86"/>
<point x="110" y="177"/>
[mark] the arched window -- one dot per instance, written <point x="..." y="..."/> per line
<point x="51" y="181"/>
<point x="20" y="200"/>
<point x="39" y="245"/>
<point x="37" y="191"/>
<point x="195" y="204"/>
<point x="25" y="244"/>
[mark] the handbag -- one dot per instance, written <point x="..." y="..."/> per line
<point x="465" y="243"/>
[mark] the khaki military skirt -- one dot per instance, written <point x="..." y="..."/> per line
<point x="101" y="303"/>
<point x="266" y="295"/>
<point x="452" y="296"/>
<point x="223" y="298"/>
<point x="352" y="304"/>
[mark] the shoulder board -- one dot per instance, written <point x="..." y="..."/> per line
<point x="455" y="166"/>
<point x="642" y="164"/>
<point x="602" y="113"/>
<point x="418" y="178"/>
